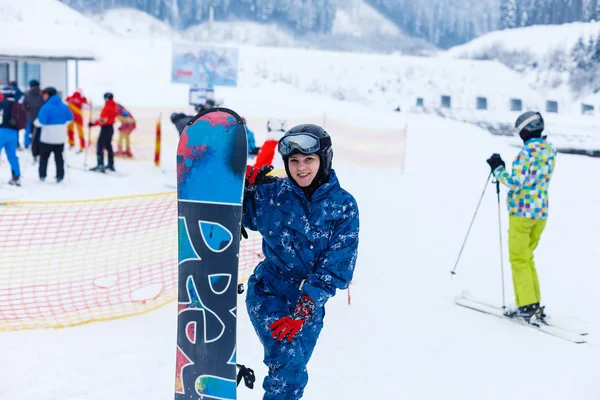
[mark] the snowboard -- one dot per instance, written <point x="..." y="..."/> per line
<point x="570" y="334"/>
<point x="211" y="164"/>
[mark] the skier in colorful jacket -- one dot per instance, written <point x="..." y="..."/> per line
<point x="527" y="207"/>
<point x="310" y="227"/>
<point x="127" y="126"/>
<point x="76" y="103"/>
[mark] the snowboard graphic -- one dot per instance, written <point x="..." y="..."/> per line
<point x="211" y="163"/>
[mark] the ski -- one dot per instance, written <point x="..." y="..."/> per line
<point x="105" y="173"/>
<point x="465" y="300"/>
<point x="554" y="321"/>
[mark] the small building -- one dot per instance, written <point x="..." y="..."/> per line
<point x="42" y="57"/>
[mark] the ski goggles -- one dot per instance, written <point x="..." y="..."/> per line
<point x="304" y="143"/>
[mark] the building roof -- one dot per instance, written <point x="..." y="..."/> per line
<point x="45" y="42"/>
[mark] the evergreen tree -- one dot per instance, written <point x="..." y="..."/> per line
<point x="578" y="54"/>
<point x="508" y="14"/>
<point x="596" y="53"/>
<point x="588" y="10"/>
<point x="581" y="72"/>
<point x="443" y="22"/>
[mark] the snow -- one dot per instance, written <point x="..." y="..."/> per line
<point x="47" y="41"/>
<point x="402" y="337"/>
<point x="357" y="18"/>
<point x="375" y="79"/>
<point x="45" y="28"/>
<point x="134" y="24"/>
<point x="540" y="52"/>
<point x="240" y="32"/>
<point x="356" y="25"/>
<point x="538" y="40"/>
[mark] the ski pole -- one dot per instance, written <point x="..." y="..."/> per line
<point x="453" y="272"/>
<point x="497" y="182"/>
<point x="89" y="134"/>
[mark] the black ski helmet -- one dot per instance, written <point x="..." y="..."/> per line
<point x="325" y="151"/>
<point x="530" y="125"/>
<point x="108" y="96"/>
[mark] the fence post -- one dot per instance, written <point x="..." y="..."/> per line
<point x="157" y="147"/>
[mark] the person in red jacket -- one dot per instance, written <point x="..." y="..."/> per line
<point x="266" y="153"/>
<point x="75" y="103"/>
<point x="108" y="115"/>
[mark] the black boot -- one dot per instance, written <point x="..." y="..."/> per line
<point x="99" y="168"/>
<point x="532" y="313"/>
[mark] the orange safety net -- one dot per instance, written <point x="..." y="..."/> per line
<point x="72" y="262"/>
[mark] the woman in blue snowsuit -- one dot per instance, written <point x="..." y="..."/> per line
<point x="309" y="226"/>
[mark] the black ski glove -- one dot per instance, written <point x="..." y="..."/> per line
<point x="260" y="176"/>
<point x="495" y="161"/>
<point x="255" y="151"/>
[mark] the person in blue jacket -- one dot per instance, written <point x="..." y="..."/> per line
<point x="12" y="118"/>
<point x="252" y="149"/>
<point x="309" y="226"/>
<point x="53" y="117"/>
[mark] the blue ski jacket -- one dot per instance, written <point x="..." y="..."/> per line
<point x="251" y="140"/>
<point x="315" y="242"/>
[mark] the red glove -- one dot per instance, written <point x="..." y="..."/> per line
<point x="290" y="326"/>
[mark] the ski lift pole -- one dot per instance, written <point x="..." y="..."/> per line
<point x="453" y="272"/>
<point x="497" y="182"/>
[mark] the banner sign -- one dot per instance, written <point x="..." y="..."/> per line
<point x="204" y="66"/>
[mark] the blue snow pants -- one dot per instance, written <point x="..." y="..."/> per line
<point x="8" y="142"/>
<point x="27" y="134"/>
<point x="268" y="298"/>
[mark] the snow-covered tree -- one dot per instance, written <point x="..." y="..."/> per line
<point x="589" y="10"/>
<point x="443" y="22"/>
<point x="508" y="14"/>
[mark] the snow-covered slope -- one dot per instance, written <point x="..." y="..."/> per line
<point x="384" y="80"/>
<point x="537" y="41"/>
<point x="357" y="27"/>
<point x="357" y="18"/>
<point x="402" y="337"/>
<point x="240" y="32"/>
<point x="541" y="53"/>
<point x="135" y="24"/>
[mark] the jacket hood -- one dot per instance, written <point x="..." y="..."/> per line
<point x="54" y="99"/>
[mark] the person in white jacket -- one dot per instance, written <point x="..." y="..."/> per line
<point x="53" y="118"/>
